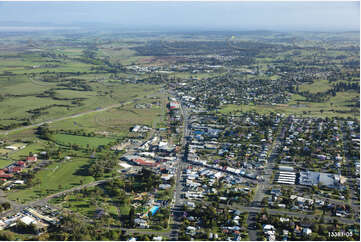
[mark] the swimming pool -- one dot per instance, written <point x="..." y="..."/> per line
<point x="154" y="209"/>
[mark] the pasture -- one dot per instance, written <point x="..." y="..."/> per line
<point x="30" y="104"/>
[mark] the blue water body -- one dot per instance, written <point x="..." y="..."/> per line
<point x="154" y="209"/>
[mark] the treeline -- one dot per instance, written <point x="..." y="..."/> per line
<point x="75" y="84"/>
<point x="101" y="166"/>
<point x="72" y="228"/>
<point x="89" y="57"/>
<point x="144" y="181"/>
<point x="343" y="86"/>
<point x="37" y="112"/>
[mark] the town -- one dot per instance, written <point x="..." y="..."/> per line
<point x="109" y="134"/>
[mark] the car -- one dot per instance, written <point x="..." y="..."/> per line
<point x="252" y="226"/>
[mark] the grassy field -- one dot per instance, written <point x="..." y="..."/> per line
<point x="13" y="109"/>
<point x="35" y="148"/>
<point x="54" y="178"/>
<point x="19" y="90"/>
<point x="87" y="205"/>
<point x="317" y="86"/>
<point x="4" y="163"/>
<point x="81" y="140"/>
<point x="117" y="120"/>
<point x="327" y="109"/>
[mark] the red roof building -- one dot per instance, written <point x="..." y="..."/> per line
<point x="144" y="162"/>
<point x="31" y="158"/>
<point x="174" y="105"/>
<point x="6" y="175"/>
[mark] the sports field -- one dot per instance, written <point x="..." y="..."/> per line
<point x="83" y="141"/>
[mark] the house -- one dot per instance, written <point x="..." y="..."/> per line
<point x="276" y="192"/>
<point x="31" y="158"/>
<point x="191" y="230"/>
<point x="174" y="105"/>
<point x="21" y="164"/>
<point x="268" y="227"/>
<point x="284" y="219"/>
<point x="136" y="128"/>
<point x="14" y="169"/>
<point x="281" y="205"/>
<point x="297" y="230"/>
<point x="164" y="186"/>
<point x="306" y="231"/>
<point x="4" y="175"/>
<point x="17" y="146"/>
<point x="190" y="204"/>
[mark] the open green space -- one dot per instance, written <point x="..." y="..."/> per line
<point x="117" y="120"/>
<point x="337" y="106"/>
<point x="66" y="139"/>
<point x="4" y="163"/>
<point x="34" y="148"/>
<point x="316" y="86"/>
<point x="54" y="178"/>
<point x="30" y="106"/>
<point x="87" y="203"/>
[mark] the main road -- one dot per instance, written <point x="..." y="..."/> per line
<point x="181" y="158"/>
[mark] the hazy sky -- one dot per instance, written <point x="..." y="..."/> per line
<point x="337" y="16"/>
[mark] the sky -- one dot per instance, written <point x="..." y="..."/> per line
<point x="299" y="16"/>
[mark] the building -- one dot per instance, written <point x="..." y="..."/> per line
<point x="17" y="146"/>
<point x="286" y="168"/>
<point x="174" y="105"/>
<point x="32" y="158"/>
<point x="310" y="178"/>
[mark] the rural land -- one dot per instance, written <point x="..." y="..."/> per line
<point x="219" y="135"/>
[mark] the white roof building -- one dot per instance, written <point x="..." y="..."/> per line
<point x="27" y="220"/>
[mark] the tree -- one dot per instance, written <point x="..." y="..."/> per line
<point x="131" y="217"/>
<point x="6" y="205"/>
<point x="7" y="236"/>
<point x="23" y="228"/>
<point x="264" y="201"/>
